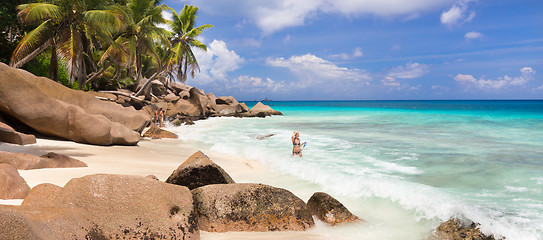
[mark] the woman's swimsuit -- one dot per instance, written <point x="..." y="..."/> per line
<point x="296" y="144"/>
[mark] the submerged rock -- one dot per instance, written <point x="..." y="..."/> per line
<point x="198" y="170"/>
<point x="249" y="207"/>
<point x="454" y="229"/>
<point x="12" y="185"/>
<point x="329" y="210"/>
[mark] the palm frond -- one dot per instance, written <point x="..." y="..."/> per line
<point x="37" y="12"/>
<point x="106" y="20"/>
<point x="32" y="40"/>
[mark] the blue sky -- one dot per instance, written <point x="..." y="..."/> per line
<point x="370" y="49"/>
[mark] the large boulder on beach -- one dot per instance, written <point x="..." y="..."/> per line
<point x="180" y="89"/>
<point x="454" y="229"/>
<point x="42" y="195"/>
<point x="186" y="108"/>
<point x="25" y="161"/>
<point x="10" y="135"/>
<point x="28" y="99"/>
<point x="249" y="207"/>
<point x="128" y="116"/>
<point x="198" y="170"/>
<point x="127" y="207"/>
<point x="12" y="185"/>
<point x="22" y="222"/>
<point x="55" y="160"/>
<point x="329" y="210"/>
<point x="199" y="99"/>
<point x="228" y="106"/>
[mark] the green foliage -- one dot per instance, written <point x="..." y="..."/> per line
<point x="10" y="30"/>
<point x="39" y="66"/>
<point x="103" y="44"/>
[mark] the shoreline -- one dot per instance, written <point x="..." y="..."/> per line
<point x="150" y="157"/>
<point x="161" y="157"/>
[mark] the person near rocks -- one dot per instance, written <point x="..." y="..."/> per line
<point x="296" y="144"/>
<point x="161" y="118"/>
<point x="156" y="117"/>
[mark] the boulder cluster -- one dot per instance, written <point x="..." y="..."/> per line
<point x="103" y="206"/>
<point x="37" y="105"/>
<point x="198" y="195"/>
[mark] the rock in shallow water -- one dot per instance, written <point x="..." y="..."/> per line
<point x="454" y="229"/>
<point x="249" y="207"/>
<point x="329" y="210"/>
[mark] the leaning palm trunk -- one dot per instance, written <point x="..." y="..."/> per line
<point x="32" y="55"/>
<point x="146" y="84"/>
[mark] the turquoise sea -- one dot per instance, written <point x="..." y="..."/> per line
<point x="403" y="164"/>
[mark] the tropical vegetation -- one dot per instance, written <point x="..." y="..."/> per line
<point x="101" y="44"/>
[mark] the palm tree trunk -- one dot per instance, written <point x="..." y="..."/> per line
<point x="31" y="55"/>
<point x="88" y="52"/>
<point x="146" y="84"/>
<point x="92" y="76"/>
<point x="53" y="65"/>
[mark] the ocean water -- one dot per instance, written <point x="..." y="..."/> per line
<point x="403" y="166"/>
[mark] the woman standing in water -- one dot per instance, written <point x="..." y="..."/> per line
<point x="296" y="144"/>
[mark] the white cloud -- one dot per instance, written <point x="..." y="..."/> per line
<point x="357" y="52"/>
<point x="390" y="81"/>
<point x="169" y="16"/>
<point x="539" y="88"/>
<point x="274" y="15"/>
<point x="216" y="62"/>
<point x="285" y="13"/>
<point x="409" y="71"/>
<point x="473" y="35"/>
<point x="255" y="84"/>
<point x="457" y="14"/>
<point x="526" y="74"/>
<point x="311" y="69"/>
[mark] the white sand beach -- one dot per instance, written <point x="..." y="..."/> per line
<point x="150" y="157"/>
<point x="162" y="157"/>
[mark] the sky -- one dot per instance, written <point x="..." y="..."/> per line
<point x="370" y="49"/>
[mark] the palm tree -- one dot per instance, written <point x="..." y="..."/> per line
<point x="184" y="39"/>
<point x="139" y="35"/>
<point x="64" y="26"/>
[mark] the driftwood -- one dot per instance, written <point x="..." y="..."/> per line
<point x="126" y="95"/>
